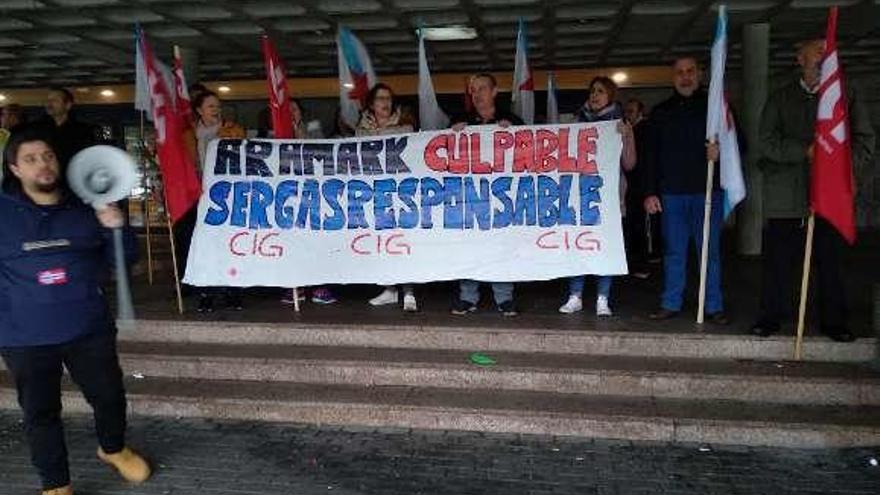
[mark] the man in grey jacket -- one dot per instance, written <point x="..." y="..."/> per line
<point x="786" y="143"/>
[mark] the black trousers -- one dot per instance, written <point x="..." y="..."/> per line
<point x="94" y="366"/>
<point x="783" y="247"/>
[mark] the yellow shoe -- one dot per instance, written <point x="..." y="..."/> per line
<point x="64" y="490"/>
<point x="128" y="464"/>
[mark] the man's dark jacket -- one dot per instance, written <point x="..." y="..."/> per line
<point x="787" y="128"/>
<point x="52" y="262"/>
<point x="675" y="154"/>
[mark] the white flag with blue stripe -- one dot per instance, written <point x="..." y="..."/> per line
<point x="552" y="101"/>
<point x="720" y="125"/>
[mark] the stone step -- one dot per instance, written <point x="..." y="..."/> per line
<point x="531" y="340"/>
<point x="665" y="420"/>
<point x="684" y="378"/>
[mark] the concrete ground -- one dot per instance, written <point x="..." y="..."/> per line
<point x="632" y="301"/>
<point x="243" y="458"/>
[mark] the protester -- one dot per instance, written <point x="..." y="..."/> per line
<point x="483" y="89"/>
<point x="61" y="126"/>
<point x="638" y="227"/>
<point x="601" y="106"/>
<point x="320" y="295"/>
<point x="786" y="142"/>
<point x="675" y="168"/>
<point x="382" y="115"/>
<point x="54" y="249"/>
<point x="209" y="125"/>
<point x="11" y="119"/>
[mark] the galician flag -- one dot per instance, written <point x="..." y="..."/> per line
<point x="552" y="102"/>
<point x="831" y="178"/>
<point x="356" y="75"/>
<point x="523" y="91"/>
<point x="719" y="122"/>
<point x="431" y="116"/>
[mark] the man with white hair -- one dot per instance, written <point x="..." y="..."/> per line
<point x="786" y="145"/>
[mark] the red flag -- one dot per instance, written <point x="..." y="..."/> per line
<point x="831" y="184"/>
<point x="181" y="93"/>
<point x="182" y="187"/>
<point x="279" y="100"/>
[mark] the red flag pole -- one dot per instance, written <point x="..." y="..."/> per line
<point x="805" y="285"/>
<point x="177" y="108"/>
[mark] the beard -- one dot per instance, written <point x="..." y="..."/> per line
<point x="46" y="188"/>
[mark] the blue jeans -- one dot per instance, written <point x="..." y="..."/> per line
<point x="603" y="286"/>
<point x="682" y="221"/>
<point x="469" y="291"/>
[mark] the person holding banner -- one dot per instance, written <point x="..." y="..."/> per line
<point x="320" y="295"/>
<point x="53" y="250"/>
<point x="483" y="89"/>
<point x="786" y="143"/>
<point x="382" y="115"/>
<point x="600" y="106"/>
<point x="210" y="125"/>
<point x="675" y="171"/>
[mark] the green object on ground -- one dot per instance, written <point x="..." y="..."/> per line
<point x="481" y="359"/>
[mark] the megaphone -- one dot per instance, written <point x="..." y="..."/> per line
<point x="101" y="175"/>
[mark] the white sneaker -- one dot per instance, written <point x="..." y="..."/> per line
<point x="388" y="296"/>
<point x="409" y="302"/>
<point x="602" y="307"/>
<point x="573" y="305"/>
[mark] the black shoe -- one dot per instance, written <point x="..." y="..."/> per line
<point x="838" y="334"/>
<point x="461" y="307"/>
<point x="508" y="308"/>
<point x="764" y="328"/>
<point x="206" y="304"/>
<point x="663" y="314"/>
<point x="718" y="318"/>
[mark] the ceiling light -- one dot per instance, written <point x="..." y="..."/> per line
<point x="2" y="97"/>
<point x="107" y="93"/>
<point x="448" y="33"/>
<point x="348" y="85"/>
<point x="619" y="77"/>
<point x="224" y="89"/>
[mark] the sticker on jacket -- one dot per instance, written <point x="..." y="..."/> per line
<point x="56" y="276"/>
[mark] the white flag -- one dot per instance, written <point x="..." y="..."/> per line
<point x="552" y="103"/>
<point x="431" y="116"/>
<point x="720" y="125"/>
<point x="356" y="75"/>
<point x="523" y="91"/>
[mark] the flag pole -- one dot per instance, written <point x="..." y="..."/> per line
<point x="145" y="213"/>
<point x="805" y="286"/>
<point x="704" y="253"/>
<point x="174" y="259"/>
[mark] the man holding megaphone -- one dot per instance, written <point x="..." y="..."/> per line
<point x="53" y="251"/>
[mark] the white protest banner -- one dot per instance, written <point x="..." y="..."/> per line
<point x="486" y="203"/>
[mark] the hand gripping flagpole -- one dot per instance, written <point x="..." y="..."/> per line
<point x="707" y="226"/>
